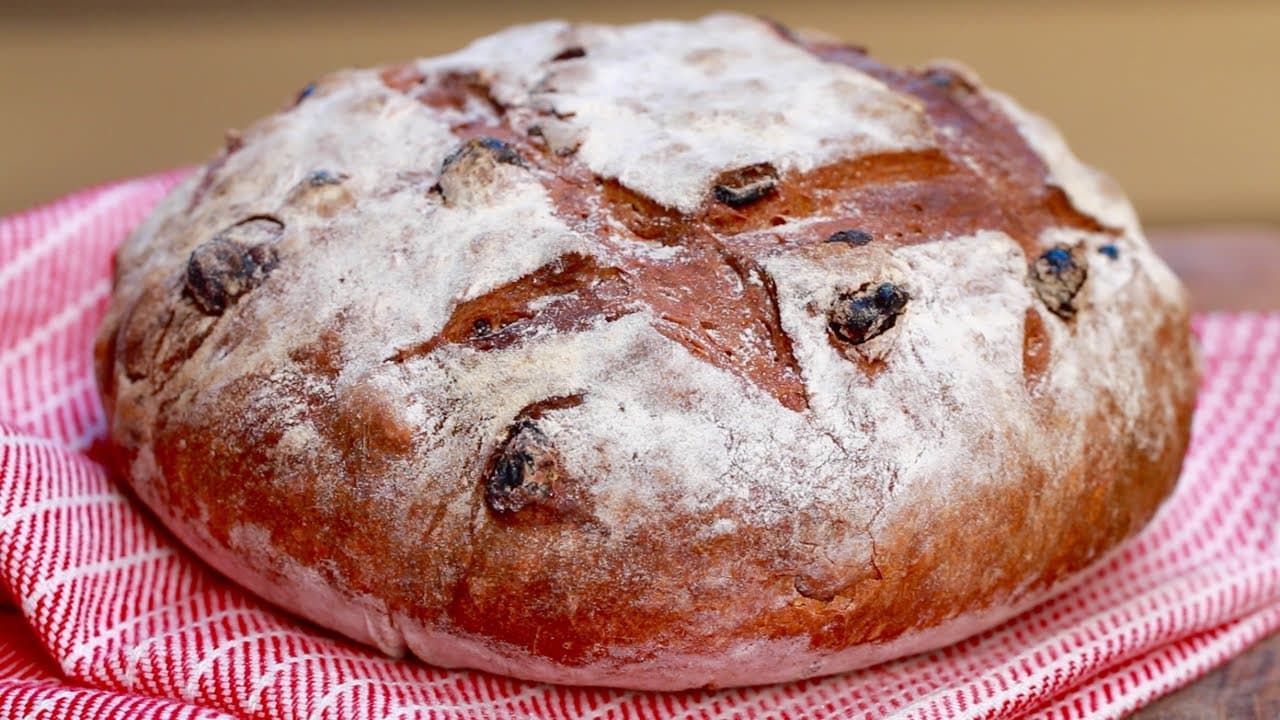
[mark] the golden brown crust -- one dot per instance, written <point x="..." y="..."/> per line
<point x="463" y="484"/>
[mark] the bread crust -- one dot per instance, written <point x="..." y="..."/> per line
<point x="659" y="356"/>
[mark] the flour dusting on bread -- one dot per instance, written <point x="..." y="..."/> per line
<point x="665" y="355"/>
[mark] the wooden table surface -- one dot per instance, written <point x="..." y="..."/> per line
<point x="1227" y="269"/>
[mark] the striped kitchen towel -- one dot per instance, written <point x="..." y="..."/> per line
<point x="103" y="616"/>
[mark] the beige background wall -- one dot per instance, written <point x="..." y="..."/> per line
<point x="1180" y="101"/>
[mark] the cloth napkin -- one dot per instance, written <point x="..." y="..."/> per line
<point x="103" y="615"/>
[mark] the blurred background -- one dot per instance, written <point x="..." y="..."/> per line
<point x="1180" y="101"/>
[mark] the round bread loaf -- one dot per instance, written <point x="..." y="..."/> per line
<point x="657" y="356"/>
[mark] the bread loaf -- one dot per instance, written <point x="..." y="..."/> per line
<point x="657" y="356"/>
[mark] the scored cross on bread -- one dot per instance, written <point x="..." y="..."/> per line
<point x="659" y="356"/>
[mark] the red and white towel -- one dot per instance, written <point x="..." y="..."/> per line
<point x="103" y="616"/>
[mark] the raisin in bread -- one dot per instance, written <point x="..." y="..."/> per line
<point x="666" y="355"/>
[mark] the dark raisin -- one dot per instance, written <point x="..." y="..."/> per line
<point x="570" y="53"/>
<point x="867" y="312"/>
<point x="320" y="178"/>
<point x="852" y="237"/>
<point x="471" y="175"/>
<point x="744" y="186"/>
<point x="1110" y="251"/>
<point x="939" y="79"/>
<point x="492" y="148"/>
<point x="1057" y="259"/>
<point x="231" y="264"/>
<point x="523" y="473"/>
<point x="502" y="152"/>
<point x="948" y="81"/>
<point x="264" y="258"/>
<point x="305" y="92"/>
<point x="1057" y="276"/>
<point x="508" y="475"/>
<point x="220" y="271"/>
